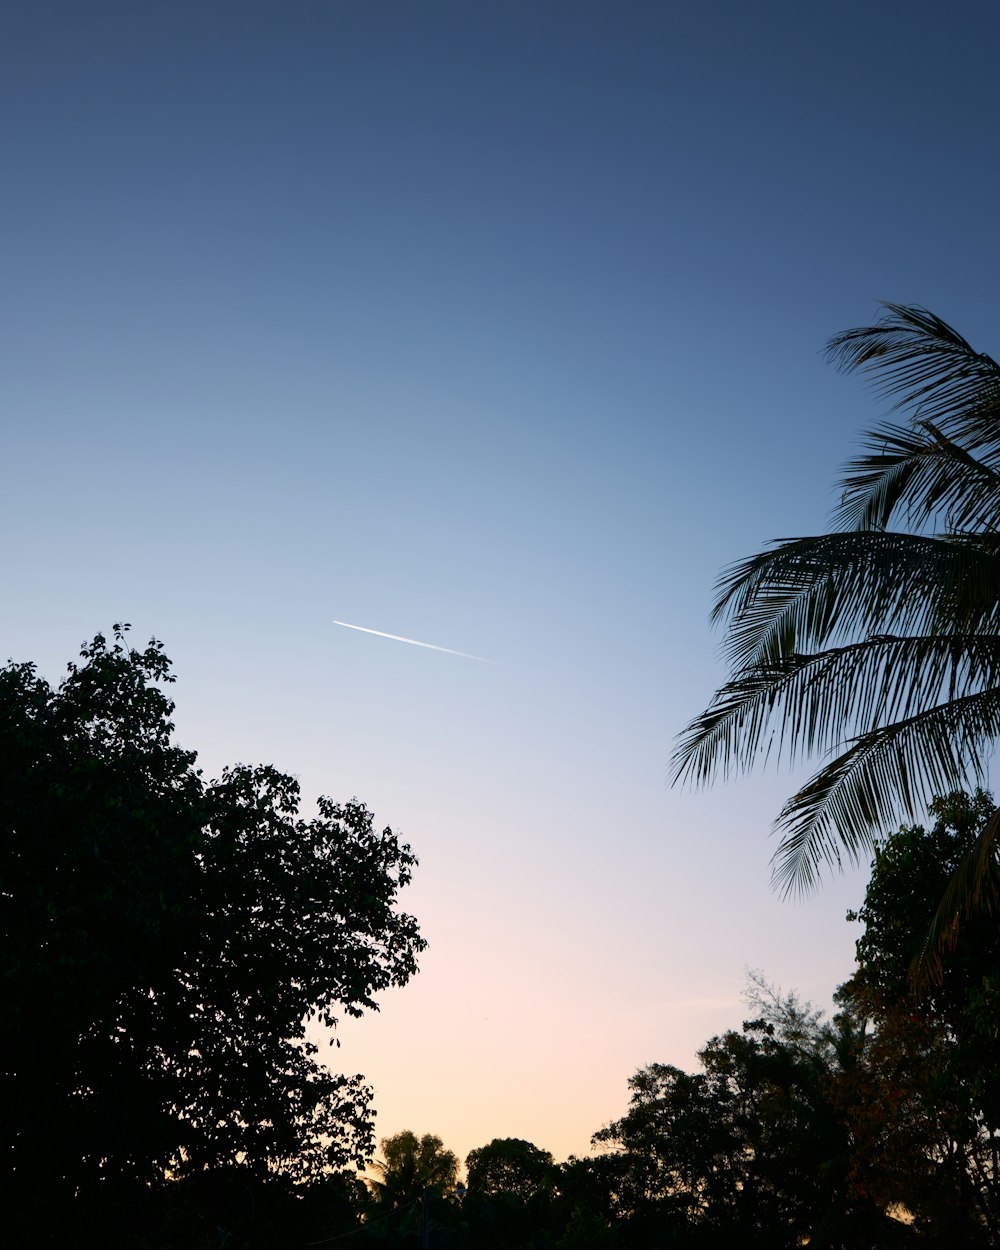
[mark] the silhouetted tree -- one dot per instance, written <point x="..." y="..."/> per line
<point x="510" y="1192"/>
<point x="164" y="941"/>
<point x="924" y="1107"/>
<point x="509" y="1165"/>
<point x="409" y="1165"/>
<point x="411" y="1190"/>
<point x="752" y="1149"/>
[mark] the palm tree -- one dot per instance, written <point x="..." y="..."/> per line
<point x="877" y="645"/>
<point x="409" y="1166"/>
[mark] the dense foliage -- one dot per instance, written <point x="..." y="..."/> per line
<point x="164" y="942"/>
<point x="928" y="1096"/>
<point x="509" y="1165"/>
<point x="752" y="1147"/>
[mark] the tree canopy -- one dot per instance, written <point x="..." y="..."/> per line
<point x="926" y="1102"/>
<point x="166" y="940"/>
<point x="509" y="1165"/>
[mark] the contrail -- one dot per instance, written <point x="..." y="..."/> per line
<point x="413" y="642"/>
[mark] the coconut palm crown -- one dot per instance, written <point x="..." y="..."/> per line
<point x="875" y="646"/>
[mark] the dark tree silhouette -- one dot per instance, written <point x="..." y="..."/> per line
<point x="411" y="1164"/>
<point x="924" y="1107"/>
<point x="753" y="1148"/>
<point x="164" y="942"/>
<point x="509" y="1165"/>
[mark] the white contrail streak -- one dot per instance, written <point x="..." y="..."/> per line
<point x="413" y="642"/>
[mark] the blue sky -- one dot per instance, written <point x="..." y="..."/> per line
<point x="497" y="326"/>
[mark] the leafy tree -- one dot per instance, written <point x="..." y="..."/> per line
<point x="752" y="1148"/>
<point x="589" y="1203"/>
<point x="882" y="634"/>
<point x="164" y="941"/>
<point x="509" y="1165"/>
<point x="924" y="1108"/>
<point x="673" y="1136"/>
<point x="510" y="1193"/>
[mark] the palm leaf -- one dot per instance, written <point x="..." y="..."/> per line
<point x="803" y="704"/>
<point x="882" y="639"/>
<point x="805" y="593"/>
<point x="924" y="474"/>
<point x="896" y="769"/>
<point x="923" y="361"/>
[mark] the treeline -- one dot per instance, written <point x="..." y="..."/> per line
<point x="165" y="940"/>
<point x="876" y="1128"/>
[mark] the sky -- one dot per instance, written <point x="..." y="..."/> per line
<point x="498" y="326"/>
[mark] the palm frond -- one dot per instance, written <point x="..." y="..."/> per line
<point x="922" y="473"/>
<point x="879" y="641"/>
<point x="922" y="361"/>
<point x="807" y="703"/>
<point x="893" y="770"/>
<point x="807" y="593"/>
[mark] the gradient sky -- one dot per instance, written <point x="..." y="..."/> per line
<point x="497" y="326"/>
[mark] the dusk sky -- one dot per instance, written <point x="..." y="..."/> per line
<point x="498" y="326"/>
